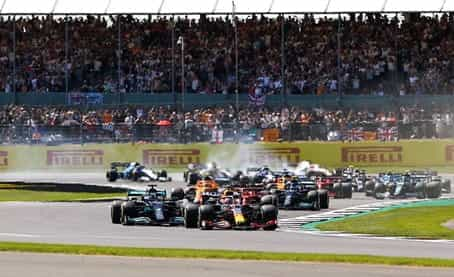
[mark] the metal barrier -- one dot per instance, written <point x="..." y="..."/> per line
<point x="224" y="132"/>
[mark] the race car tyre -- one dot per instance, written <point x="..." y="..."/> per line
<point x="420" y="189"/>
<point x="369" y="188"/>
<point x="324" y="198"/>
<point x="446" y="186"/>
<point x="346" y="190"/>
<point x="177" y="194"/>
<point x="163" y="174"/>
<point x="206" y="213"/>
<point x="337" y="189"/>
<point x="270" y="186"/>
<point x="275" y="200"/>
<point x="379" y="190"/>
<point x="191" y="216"/>
<point x="269" y="212"/>
<point x="112" y="175"/>
<point x="244" y="180"/>
<point x="257" y="179"/>
<point x="135" y="176"/>
<point x="115" y="212"/>
<point x="193" y="178"/>
<point x="433" y="190"/>
<point x="127" y="210"/>
<point x="313" y="197"/>
<point x="266" y="200"/>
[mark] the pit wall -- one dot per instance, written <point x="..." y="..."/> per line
<point x="421" y="153"/>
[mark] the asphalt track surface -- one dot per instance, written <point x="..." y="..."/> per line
<point x="44" y="265"/>
<point x="89" y="223"/>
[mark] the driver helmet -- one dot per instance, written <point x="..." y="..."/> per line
<point x="211" y="201"/>
<point x="227" y="200"/>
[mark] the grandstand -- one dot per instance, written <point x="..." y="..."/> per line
<point x="264" y="64"/>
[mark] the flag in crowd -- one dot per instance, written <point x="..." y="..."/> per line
<point x="388" y="134"/>
<point x="382" y="133"/>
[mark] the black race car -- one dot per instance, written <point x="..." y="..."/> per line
<point x="196" y="172"/>
<point x="232" y="212"/>
<point x="148" y="207"/>
<point x="302" y="194"/>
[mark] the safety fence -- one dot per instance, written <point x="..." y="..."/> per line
<point x="190" y="132"/>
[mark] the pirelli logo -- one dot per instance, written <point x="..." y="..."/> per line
<point x="75" y="158"/>
<point x="290" y="155"/>
<point x="449" y="153"/>
<point x="3" y="159"/>
<point x="372" y="154"/>
<point x="170" y="157"/>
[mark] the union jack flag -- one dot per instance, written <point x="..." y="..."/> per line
<point x="355" y="134"/>
<point x="388" y="134"/>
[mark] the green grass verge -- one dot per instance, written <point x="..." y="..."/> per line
<point x="417" y="222"/>
<point x="220" y="254"/>
<point x="51" y="196"/>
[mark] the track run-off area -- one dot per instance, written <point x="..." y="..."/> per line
<point x="89" y="223"/>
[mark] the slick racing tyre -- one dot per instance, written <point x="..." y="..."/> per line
<point x="115" y="212"/>
<point x="446" y="186"/>
<point x="191" y="215"/>
<point x="324" y="199"/>
<point x="127" y="211"/>
<point x="369" y="188"/>
<point x="313" y="197"/>
<point x="346" y="190"/>
<point x="337" y="188"/>
<point x="270" y="199"/>
<point x="177" y="194"/>
<point x="112" y="175"/>
<point x="163" y="174"/>
<point x="420" y="189"/>
<point x="206" y="214"/>
<point x="269" y="213"/>
<point x="379" y="191"/>
<point x="193" y="178"/>
<point x="433" y="190"/>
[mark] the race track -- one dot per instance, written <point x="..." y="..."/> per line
<point x="40" y="265"/>
<point x="89" y="223"/>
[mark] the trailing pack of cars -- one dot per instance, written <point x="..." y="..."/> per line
<point x="215" y="198"/>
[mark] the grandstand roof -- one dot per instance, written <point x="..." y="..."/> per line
<point x="218" y="6"/>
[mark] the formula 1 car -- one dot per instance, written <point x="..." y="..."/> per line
<point x="229" y="212"/>
<point x="432" y="176"/>
<point x="196" y="172"/>
<point x="356" y="177"/>
<point x="396" y="185"/>
<point x="136" y="172"/>
<point x="302" y="194"/>
<point x="336" y="186"/>
<point x="202" y="190"/>
<point x="148" y="207"/>
<point x="306" y="169"/>
<point x="258" y="175"/>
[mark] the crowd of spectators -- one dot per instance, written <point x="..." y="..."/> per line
<point x="167" y="124"/>
<point x="378" y="54"/>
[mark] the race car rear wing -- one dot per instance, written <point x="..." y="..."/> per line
<point x="119" y="164"/>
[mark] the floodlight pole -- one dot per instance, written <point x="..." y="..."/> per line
<point x="181" y="42"/>
<point x="14" y="58"/>
<point x="339" y="92"/>
<point x="283" y="89"/>
<point x="237" y="98"/>
<point x="119" y="58"/>
<point x="173" y="63"/>
<point x="66" y="55"/>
